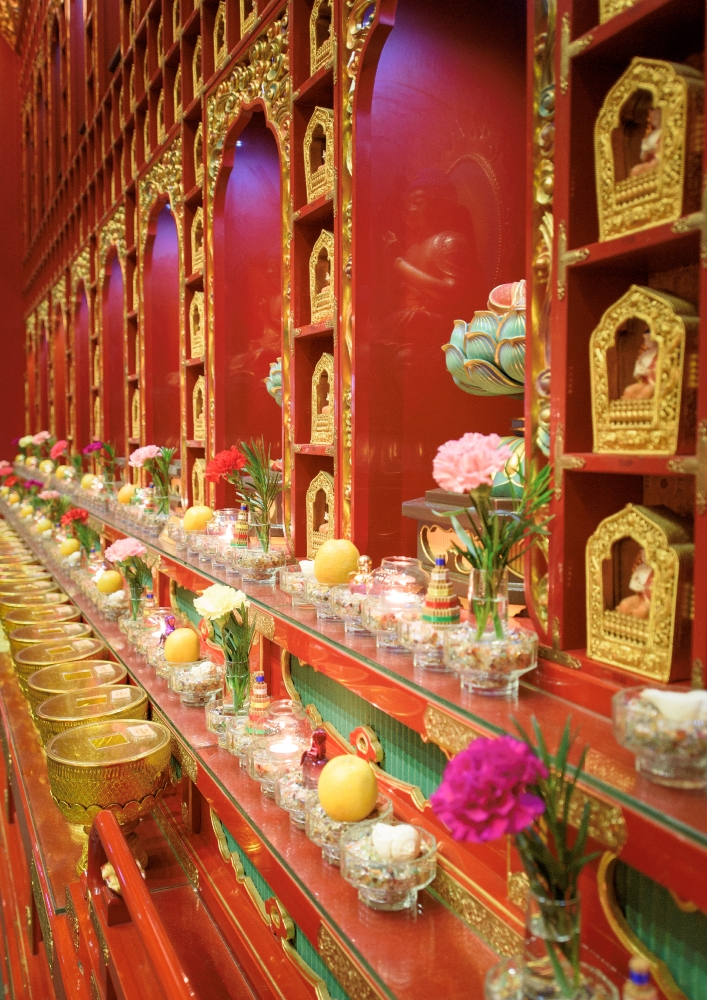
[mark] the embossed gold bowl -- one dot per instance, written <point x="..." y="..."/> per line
<point x="38" y="613"/>
<point x="26" y="587"/>
<point x="32" y="635"/>
<point x="123" y="765"/>
<point x="21" y="574"/>
<point x="63" y="677"/>
<point x="60" y="651"/>
<point x="17" y="601"/>
<point x="83" y="708"/>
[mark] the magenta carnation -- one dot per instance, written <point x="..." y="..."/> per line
<point x="472" y="461"/>
<point x="125" y="548"/>
<point x="484" y="793"/>
<point x="142" y="455"/>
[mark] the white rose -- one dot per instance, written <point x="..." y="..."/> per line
<point x="218" y="601"/>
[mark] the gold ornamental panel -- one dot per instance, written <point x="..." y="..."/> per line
<point x="321" y="36"/>
<point x="249" y="14"/>
<point x="199" y="409"/>
<point x="637" y="359"/>
<point x="323" y="401"/>
<point x="648" y="147"/>
<point x="220" y="40"/>
<point x="610" y="8"/>
<point x="319" y="153"/>
<point x="197" y="342"/>
<point x="638" y="566"/>
<point x="321" y="274"/>
<point x="320" y="512"/>
<point x="197" y="240"/>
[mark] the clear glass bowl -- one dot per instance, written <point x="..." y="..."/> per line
<point x="424" y="640"/>
<point x="386" y="885"/>
<point x="219" y="714"/>
<point x="398" y="575"/>
<point x="197" y="683"/>
<point x="379" y="614"/>
<point x="291" y="794"/>
<point x="320" y="596"/>
<point x="490" y="665"/>
<point x="668" y="751"/>
<point x="292" y="582"/>
<point x="257" y="566"/>
<point x="326" y="832"/>
<point x="346" y="604"/>
<point x="267" y="757"/>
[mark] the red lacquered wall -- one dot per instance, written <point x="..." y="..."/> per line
<point x="82" y="371"/>
<point x="113" y="363"/>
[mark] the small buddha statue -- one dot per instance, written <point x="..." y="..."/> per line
<point x="643" y="371"/>
<point x="324" y="528"/>
<point x="650" y="144"/>
<point x="638" y="604"/>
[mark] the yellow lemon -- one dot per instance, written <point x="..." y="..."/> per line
<point x="43" y="525"/>
<point x="196" y="518"/>
<point x="61" y="471"/>
<point x="126" y="493"/>
<point x="87" y="480"/>
<point x="14" y="498"/>
<point x="109" y="582"/>
<point x="335" y="561"/>
<point x="46" y="466"/>
<point x="19" y="459"/>
<point x="181" y="646"/>
<point x="31" y="462"/>
<point x="26" y="510"/>
<point x="348" y="789"/>
<point x="69" y="546"/>
<point x="4" y="490"/>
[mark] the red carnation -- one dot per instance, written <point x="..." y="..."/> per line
<point x="225" y="464"/>
<point x="11" y="480"/>
<point x="75" y="514"/>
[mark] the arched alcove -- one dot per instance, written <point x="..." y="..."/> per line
<point x="248" y="284"/>
<point x="43" y="379"/>
<point x="56" y="102"/>
<point x="59" y="371"/>
<point x="449" y="198"/>
<point x="161" y="302"/>
<point x="32" y="388"/>
<point x="82" y="383"/>
<point x="113" y="387"/>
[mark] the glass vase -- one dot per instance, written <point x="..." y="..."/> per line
<point x="488" y="602"/>
<point x="260" y="561"/>
<point x="237" y="682"/>
<point x="550" y="967"/>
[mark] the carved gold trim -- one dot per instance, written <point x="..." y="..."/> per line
<point x="344" y="968"/>
<point x="72" y="918"/>
<point x="264" y="624"/>
<point x="449" y="733"/>
<point x="568" y="50"/>
<point x="102" y="943"/>
<point x="178" y="846"/>
<point x="562" y="461"/>
<point x="610" y="8"/>
<point x="180" y="752"/>
<point x="95" y="992"/>
<point x="559" y="656"/>
<point x="285" y="659"/>
<point x="472" y="905"/>
<point x="566" y="258"/>
<point x="619" y="925"/>
<point x="42" y="914"/>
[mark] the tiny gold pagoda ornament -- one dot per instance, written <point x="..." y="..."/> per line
<point x="322" y="405"/>
<point x="638" y="565"/>
<point x="641" y="359"/>
<point x="318" y="156"/>
<point x="648" y="147"/>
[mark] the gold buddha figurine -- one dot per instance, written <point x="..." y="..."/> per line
<point x="644" y="370"/>
<point x="638" y="603"/>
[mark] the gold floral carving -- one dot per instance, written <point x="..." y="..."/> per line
<point x="619" y="925"/>
<point x="58" y="295"/>
<point x="518" y="887"/>
<point x="72" y="918"/>
<point x="265" y="624"/>
<point x="41" y="907"/>
<point x="344" y="967"/>
<point x="449" y="733"/>
<point x="474" y="911"/>
<point x="610" y="8"/>
<point x="10" y="16"/>
<point x="641" y="427"/>
<point x="81" y="272"/>
<point x="645" y="646"/>
<point x="177" y="844"/>
<point x="606" y="821"/>
<point x="323" y="482"/>
<point x="673" y="186"/>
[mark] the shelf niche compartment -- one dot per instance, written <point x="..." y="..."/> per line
<point x="112" y="357"/>
<point x="248" y="284"/>
<point x="82" y="394"/>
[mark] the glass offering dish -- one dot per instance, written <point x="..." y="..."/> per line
<point x="282" y="716"/>
<point x="670" y="745"/>
<point x="398" y="575"/>
<point x="260" y="565"/>
<point x="424" y="640"/>
<point x="220" y="713"/>
<point x="266" y="759"/>
<point x="490" y="665"/>
<point x="346" y="604"/>
<point x="379" y="614"/>
<point x="197" y="683"/>
<point x="291" y="794"/>
<point x="112" y="606"/>
<point x="157" y="623"/>
<point x="385" y="885"/>
<point x="326" y="832"/>
<point x="320" y="595"/>
<point x="292" y="582"/>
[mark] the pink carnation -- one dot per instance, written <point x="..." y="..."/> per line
<point x="58" y="449"/>
<point x="484" y="793"/>
<point x="41" y="437"/>
<point x="4" y="464"/>
<point x="472" y="461"/>
<point x="125" y="548"/>
<point x="48" y="495"/>
<point x="141" y="455"/>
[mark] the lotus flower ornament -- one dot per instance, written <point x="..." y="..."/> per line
<point x="273" y="383"/>
<point x="487" y="356"/>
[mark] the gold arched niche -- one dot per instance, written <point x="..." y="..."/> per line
<point x="197" y="240"/>
<point x="197" y="341"/>
<point x="323" y="401"/>
<point x="318" y="153"/>
<point x="320" y="512"/>
<point x="321" y="45"/>
<point x="197" y="481"/>
<point x="220" y="39"/>
<point x="249" y="13"/>
<point x="321" y="275"/>
<point x="643" y="398"/>
<point x="198" y="404"/>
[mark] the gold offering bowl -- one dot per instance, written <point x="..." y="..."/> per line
<point x="32" y="635"/>
<point x="63" y="677"/>
<point x="20" y="574"/>
<point x="26" y="587"/>
<point x="83" y="708"/>
<point x="122" y="765"/>
<point x="20" y="557"/>
<point x="17" y="601"/>
<point x="43" y="654"/>
<point x="37" y="614"/>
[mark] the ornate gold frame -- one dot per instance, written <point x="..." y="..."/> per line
<point x="197" y="241"/>
<point x="322" y="481"/>
<point x="112" y="234"/>
<point x="673" y="185"/>
<point x="323" y="303"/>
<point x="322" y="179"/>
<point x="198" y="404"/>
<point x="135" y="414"/>
<point x="644" y="647"/>
<point x="323" y="423"/>
<point x="196" y="71"/>
<point x="197" y="482"/>
<point x="324" y="54"/>
<point x="651" y="426"/>
<point x="197" y="340"/>
<point x="220" y="48"/>
<point x="248" y="21"/>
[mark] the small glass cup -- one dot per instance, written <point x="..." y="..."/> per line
<point x="381" y="884"/>
<point x="292" y="581"/>
<point x="197" y="683"/>
<point x="379" y="614"/>
<point x="265" y="761"/>
<point x="291" y="794"/>
<point x="326" y="832"/>
<point x="346" y="604"/>
<point x="424" y="640"/>
<point x="219" y="714"/>
<point x="320" y="596"/>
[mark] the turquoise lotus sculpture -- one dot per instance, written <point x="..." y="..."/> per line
<point x="273" y="383"/>
<point x="487" y="356"/>
<point x="508" y="483"/>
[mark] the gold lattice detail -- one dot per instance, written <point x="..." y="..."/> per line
<point x="321" y="278"/>
<point x="610" y="8"/>
<point x="249" y="14"/>
<point x="643" y="647"/>
<point x="320" y="508"/>
<point x="641" y="426"/>
<point x="319" y="153"/>
<point x="323" y="401"/>
<point x="672" y="186"/>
